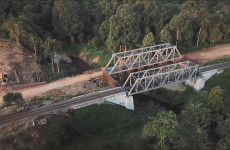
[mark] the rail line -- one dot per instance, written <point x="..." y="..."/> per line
<point x="220" y="66"/>
<point x="48" y="109"/>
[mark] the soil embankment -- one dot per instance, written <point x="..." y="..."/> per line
<point x="22" y="61"/>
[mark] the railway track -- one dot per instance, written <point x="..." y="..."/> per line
<point x="220" y="66"/>
<point x="63" y="104"/>
<point x="48" y="109"/>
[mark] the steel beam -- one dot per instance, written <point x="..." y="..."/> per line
<point x="151" y="79"/>
<point x="142" y="57"/>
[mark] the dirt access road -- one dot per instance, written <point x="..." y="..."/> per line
<point x="208" y="54"/>
<point x="69" y="85"/>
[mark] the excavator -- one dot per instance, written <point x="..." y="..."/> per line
<point x="3" y="78"/>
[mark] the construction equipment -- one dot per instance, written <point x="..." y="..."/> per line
<point x="3" y="77"/>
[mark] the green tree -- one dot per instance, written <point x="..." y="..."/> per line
<point x="182" y="28"/>
<point x="14" y="28"/>
<point x="11" y="98"/>
<point x="67" y="19"/>
<point x="224" y="143"/>
<point x="148" y="40"/>
<point x="50" y="46"/>
<point x="191" y="133"/>
<point x="225" y="22"/>
<point x="215" y="34"/>
<point x="165" y="36"/>
<point x="139" y="145"/>
<point x="57" y="132"/>
<point x="124" y="28"/>
<point x="223" y="130"/>
<point x="215" y="98"/>
<point x="151" y="14"/>
<point x="162" y="126"/>
<point x="108" y="8"/>
<point x="103" y="31"/>
<point x="205" y="20"/>
<point x="35" y="42"/>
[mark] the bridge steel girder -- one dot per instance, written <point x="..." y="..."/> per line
<point x="129" y="60"/>
<point x="151" y="79"/>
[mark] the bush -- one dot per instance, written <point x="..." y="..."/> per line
<point x="11" y="97"/>
<point x="38" y="100"/>
<point x="57" y="132"/>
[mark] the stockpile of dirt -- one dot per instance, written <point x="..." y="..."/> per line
<point x="21" y="60"/>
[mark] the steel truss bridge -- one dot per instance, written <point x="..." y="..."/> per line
<point x="136" y="82"/>
<point x="142" y="57"/>
<point x="150" y="79"/>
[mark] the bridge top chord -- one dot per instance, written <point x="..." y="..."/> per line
<point x="141" y="50"/>
<point x="129" y="60"/>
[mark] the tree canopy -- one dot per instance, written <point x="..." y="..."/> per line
<point x="109" y="25"/>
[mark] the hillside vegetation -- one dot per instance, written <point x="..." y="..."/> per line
<point x="103" y="27"/>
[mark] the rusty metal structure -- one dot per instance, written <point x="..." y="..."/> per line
<point x="142" y="57"/>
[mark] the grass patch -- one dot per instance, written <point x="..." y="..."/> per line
<point x="222" y="80"/>
<point x="75" y="95"/>
<point x="217" y="61"/>
<point x="69" y="96"/>
<point x="92" y="53"/>
<point x="39" y="100"/>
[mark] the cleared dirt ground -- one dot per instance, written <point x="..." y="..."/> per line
<point x="208" y="54"/>
<point x="14" y="58"/>
<point x="69" y="85"/>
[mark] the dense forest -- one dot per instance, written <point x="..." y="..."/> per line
<point x="45" y="26"/>
<point x="202" y="120"/>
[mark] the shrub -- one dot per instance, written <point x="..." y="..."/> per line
<point x="38" y="100"/>
<point x="11" y="97"/>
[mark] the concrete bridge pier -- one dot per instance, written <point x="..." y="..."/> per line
<point x="199" y="83"/>
<point x="121" y="99"/>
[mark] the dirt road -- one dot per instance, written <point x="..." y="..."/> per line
<point x="69" y="85"/>
<point x="208" y="54"/>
